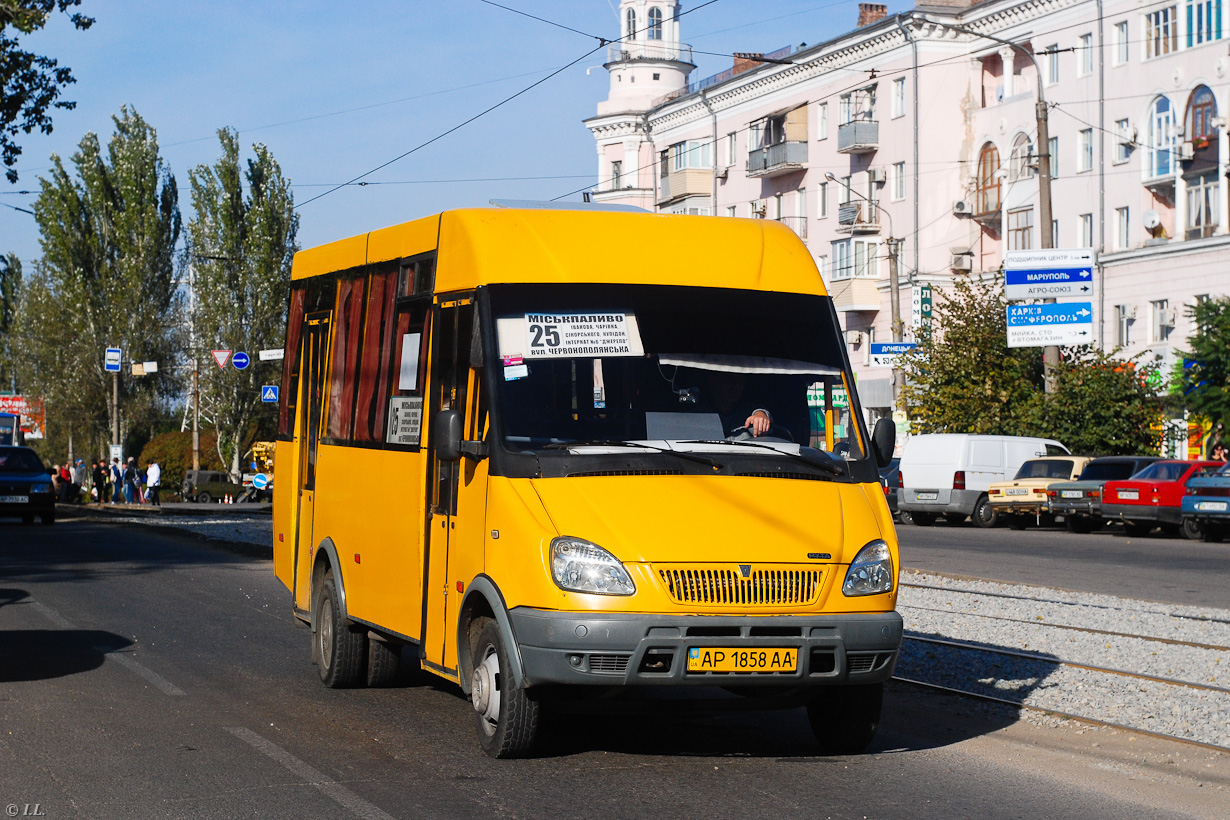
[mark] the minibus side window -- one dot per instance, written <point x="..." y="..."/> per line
<point x="289" y="393"/>
<point x="450" y="376"/>
<point x="404" y="384"/>
<point x="375" y="359"/>
<point x="347" y="323"/>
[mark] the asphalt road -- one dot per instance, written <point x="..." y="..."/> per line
<point x="1157" y="567"/>
<point x="149" y="675"/>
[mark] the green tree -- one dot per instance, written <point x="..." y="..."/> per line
<point x="30" y="84"/>
<point x="10" y="282"/>
<point x="1102" y="405"/>
<point x="106" y="279"/>
<point x="240" y="247"/>
<point x="1203" y="375"/>
<point x="962" y="377"/>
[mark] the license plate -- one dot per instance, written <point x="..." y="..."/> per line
<point x="1016" y="491"/>
<point x="727" y="659"/>
<point x="1130" y="495"/>
<point x="1070" y="494"/>
<point x="1211" y="506"/>
<point x="928" y="496"/>
<point x="14" y="499"/>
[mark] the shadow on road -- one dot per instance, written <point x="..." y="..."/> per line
<point x="41" y="654"/>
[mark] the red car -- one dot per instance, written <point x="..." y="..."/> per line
<point x="1154" y="496"/>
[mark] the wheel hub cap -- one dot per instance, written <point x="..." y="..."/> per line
<point x="484" y="689"/>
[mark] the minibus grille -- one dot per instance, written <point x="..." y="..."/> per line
<point x="762" y="586"/>
<point x="593" y="473"/>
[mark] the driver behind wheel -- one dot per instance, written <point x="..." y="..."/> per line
<point x="724" y="390"/>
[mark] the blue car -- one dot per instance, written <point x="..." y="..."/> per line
<point x="26" y="490"/>
<point x="1206" y="505"/>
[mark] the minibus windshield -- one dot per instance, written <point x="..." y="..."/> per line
<point x="674" y="368"/>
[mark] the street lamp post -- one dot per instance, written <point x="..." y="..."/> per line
<point x="894" y="296"/>
<point x="1050" y="354"/>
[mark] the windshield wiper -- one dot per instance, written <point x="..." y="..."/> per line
<point x="828" y="466"/>
<point x="564" y="445"/>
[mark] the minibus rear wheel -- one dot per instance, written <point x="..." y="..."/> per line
<point x="844" y="719"/>
<point x="340" y="649"/>
<point x="508" y="719"/>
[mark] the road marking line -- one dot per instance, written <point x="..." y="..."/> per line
<point x="342" y="795"/>
<point x="128" y="663"/>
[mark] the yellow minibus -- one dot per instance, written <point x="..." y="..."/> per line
<point x="553" y="451"/>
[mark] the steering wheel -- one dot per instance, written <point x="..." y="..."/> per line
<point x="775" y="433"/>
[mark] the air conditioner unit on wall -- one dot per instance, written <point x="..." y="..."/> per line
<point x="723" y="171"/>
<point x="961" y="208"/>
<point x="1130" y="312"/>
<point x="1170" y="317"/>
<point x="962" y="261"/>
<point x="876" y="175"/>
<point x="1185" y="151"/>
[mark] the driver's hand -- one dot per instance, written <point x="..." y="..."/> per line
<point x="758" y="423"/>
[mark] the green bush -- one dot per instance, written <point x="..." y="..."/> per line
<point x="173" y="452"/>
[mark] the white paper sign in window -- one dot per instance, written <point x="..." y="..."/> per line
<point x="405" y="420"/>
<point x="408" y="378"/>
<point x="571" y="335"/>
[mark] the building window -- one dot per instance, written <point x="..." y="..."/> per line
<point x="1123" y="227"/>
<point x="1086" y="230"/>
<point x="845" y="193"/>
<point x="617" y="168"/>
<point x="822" y="121"/>
<point x="691" y="154"/>
<point x="822" y="200"/>
<point x="1085" y="55"/>
<point x="1160" y="320"/>
<point x="1203" y="21"/>
<point x="855" y="259"/>
<point x="1084" y="156"/>
<point x="630" y="33"/>
<point x="800" y="204"/>
<point x="898" y="109"/>
<point x="1161" y="139"/>
<point x="1123" y="47"/>
<point x="898" y="181"/>
<point x="858" y="106"/>
<point x="664" y="163"/>
<point x="655" y="24"/>
<point x="1019" y="161"/>
<point x="1161" y="32"/>
<point x="822" y="265"/>
<point x="1020" y="229"/>
<point x="777" y="208"/>
<point x="986" y="198"/>
<point x="1198" y="123"/>
<point x="1123" y="323"/>
<point x="731" y="150"/>
<point x="1052" y="64"/>
<point x="1052" y="150"/>
<point x="1055" y="234"/>
<point x="1202" y="205"/>
<point x="1123" y="141"/>
<point x="732" y="211"/>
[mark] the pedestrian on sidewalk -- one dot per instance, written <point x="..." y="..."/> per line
<point x="153" y="482"/>
<point x="129" y="477"/>
<point x="99" y="477"/>
<point x="80" y="477"/>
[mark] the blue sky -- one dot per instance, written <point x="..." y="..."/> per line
<point x="336" y="89"/>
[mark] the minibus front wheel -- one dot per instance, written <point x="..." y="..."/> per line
<point x="844" y="719"/>
<point x="507" y="717"/>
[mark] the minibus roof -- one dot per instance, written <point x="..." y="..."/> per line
<point x="481" y="246"/>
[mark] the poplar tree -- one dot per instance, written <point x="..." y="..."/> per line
<point x="108" y="226"/>
<point x="1203" y="375"/>
<point x="10" y="281"/>
<point x="240" y="245"/>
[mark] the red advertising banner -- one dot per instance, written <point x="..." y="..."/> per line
<point x="33" y="413"/>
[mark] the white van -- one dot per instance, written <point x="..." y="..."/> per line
<point x="948" y="473"/>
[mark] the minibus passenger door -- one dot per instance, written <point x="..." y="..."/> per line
<point x="312" y="382"/>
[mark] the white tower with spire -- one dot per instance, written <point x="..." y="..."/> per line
<point x="647" y="64"/>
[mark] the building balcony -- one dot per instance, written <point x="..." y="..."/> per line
<point x="858" y="137"/>
<point x="858" y="218"/>
<point x="798" y="224"/>
<point x="774" y="160"/>
<point x="626" y="52"/>
<point x="687" y="182"/>
<point x="855" y="295"/>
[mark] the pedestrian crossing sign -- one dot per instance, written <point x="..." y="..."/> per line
<point x="269" y="393"/>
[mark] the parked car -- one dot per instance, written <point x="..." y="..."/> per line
<point x="25" y="488"/>
<point x="890" y="480"/>
<point x="1080" y="501"/>
<point x="1206" y="504"/>
<point x="1024" y="497"/>
<point x="1154" y="496"/>
<point x="204" y="486"/>
<point x="949" y="473"/>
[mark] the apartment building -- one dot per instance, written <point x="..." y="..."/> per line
<point x="921" y="128"/>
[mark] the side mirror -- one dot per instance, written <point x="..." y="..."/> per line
<point x="883" y="439"/>
<point x="446" y="435"/>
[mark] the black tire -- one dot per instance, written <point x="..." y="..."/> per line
<point x="1191" y="530"/>
<point x="1078" y="523"/>
<point x="922" y="519"/>
<point x="1137" y="529"/>
<point x="844" y="719"/>
<point x="955" y="519"/>
<point x="507" y="719"/>
<point x="984" y="514"/>
<point x="383" y="660"/>
<point x="47" y="519"/>
<point x="905" y="517"/>
<point x="338" y="648"/>
<point x="203" y="498"/>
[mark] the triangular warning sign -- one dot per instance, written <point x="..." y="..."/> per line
<point x="270" y="394"/>
<point x="221" y="356"/>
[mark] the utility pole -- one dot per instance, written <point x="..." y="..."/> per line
<point x="115" y="408"/>
<point x="196" y="415"/>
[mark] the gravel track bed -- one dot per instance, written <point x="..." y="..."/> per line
<point x="1044" y="683"/>
<point x="244" y="529"/>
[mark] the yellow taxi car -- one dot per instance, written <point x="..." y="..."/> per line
<point x="1024" y="497"/>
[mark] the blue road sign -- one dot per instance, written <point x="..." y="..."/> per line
<point x="260" y="481"/>
<point x="884" y="354"/>
<point x="269" y="393"/>
<point x="240" y="360"/>
<point x="111" y="362"/>
<point x="1067" y="323"/>
<point x="1048" y="283"/>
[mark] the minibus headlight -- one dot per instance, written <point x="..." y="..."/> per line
<point x="871" y="572"/>
<point x="579" y="566"/>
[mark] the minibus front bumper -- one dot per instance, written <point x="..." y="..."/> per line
<point x="613" y="649"/>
